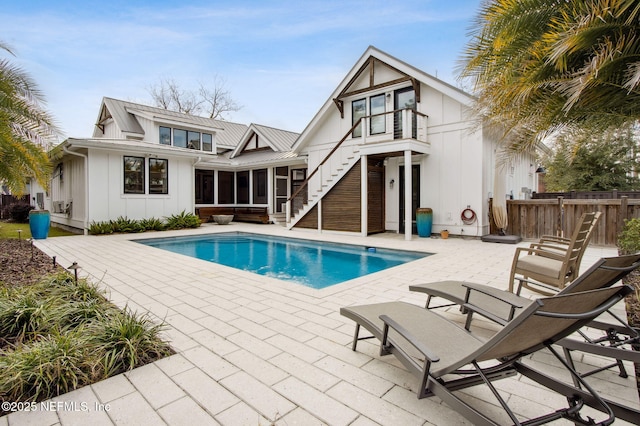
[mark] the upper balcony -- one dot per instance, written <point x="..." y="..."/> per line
<point x="398" y="130"/>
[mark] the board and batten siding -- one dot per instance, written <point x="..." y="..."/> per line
<point x="108" y="200"/>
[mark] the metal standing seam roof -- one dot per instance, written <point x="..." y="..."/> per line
<point x="259" y="157"/>
<point x="228" y="138"/>
<point x="281" y="140"/>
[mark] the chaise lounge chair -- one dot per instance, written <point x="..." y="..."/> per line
<point x="434" y="348"/>
<point x="501" y="306"/>
<point x="554" y="262"/>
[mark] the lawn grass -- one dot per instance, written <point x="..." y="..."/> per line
<point x="10" y="230"/>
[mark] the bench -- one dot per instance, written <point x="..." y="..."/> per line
<point x="240" y="214"/>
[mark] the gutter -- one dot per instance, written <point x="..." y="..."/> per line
<point x="86" y="180"/>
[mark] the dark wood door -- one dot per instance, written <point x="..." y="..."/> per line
<point x="375" y="198"/>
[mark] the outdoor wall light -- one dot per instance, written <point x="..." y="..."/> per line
<point x="391" y="182"/>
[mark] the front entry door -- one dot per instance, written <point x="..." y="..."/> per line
<point x="415" y="197"/>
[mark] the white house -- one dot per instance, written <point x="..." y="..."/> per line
<point x="390" y="139"/>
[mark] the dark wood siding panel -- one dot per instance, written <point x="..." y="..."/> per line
<point x="375" y="202"/>
<point x="310" y="220"/>
<point x="341" y="206"/>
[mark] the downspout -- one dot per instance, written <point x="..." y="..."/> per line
<point x="86" y="182"/>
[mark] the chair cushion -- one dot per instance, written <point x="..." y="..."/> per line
<point x="539" y="265"/>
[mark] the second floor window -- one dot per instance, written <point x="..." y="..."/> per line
<point x="376" y="106"/>
<point x="182" y="138"/>
<point x="358" y="110"/>
<point x="165" y="135"/>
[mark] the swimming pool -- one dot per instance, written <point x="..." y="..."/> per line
<point x="311" y="263"/>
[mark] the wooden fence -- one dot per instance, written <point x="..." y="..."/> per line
<point x="531" y="219"/>
<point x="581" y="195"/>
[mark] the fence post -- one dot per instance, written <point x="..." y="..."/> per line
<point x="622" y="215"/>
<point x="559" y="228"/>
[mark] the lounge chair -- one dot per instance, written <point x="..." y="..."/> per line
<point x="501" y="306"/>
<point x="434" y="348"/>
<point x="553" y="264"/>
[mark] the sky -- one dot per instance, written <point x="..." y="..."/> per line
<point x="279" y="60"/>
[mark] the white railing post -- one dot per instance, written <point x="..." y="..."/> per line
<point x="406" y="124"/>
<point x="365" y="129"/>
<point x="288" y="211"/>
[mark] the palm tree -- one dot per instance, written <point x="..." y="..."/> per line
<point x="539" y="66"/>
<point x="25" y="129"/>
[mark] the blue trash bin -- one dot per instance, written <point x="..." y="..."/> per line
<point x="39" y="224"/>
<point x="424" y="221"/>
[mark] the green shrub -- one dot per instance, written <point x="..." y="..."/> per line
<point x="55" y="364"/>
<point x="629" y="238"/>
<point x="123" y="224"/>
<point x="152" y="224"/>
<point x="100" y="228"/>
<point x="59" y="334"/>
<point x="64" y="286"/>
<point x="126" y="225"/>
<point x="23" y="314"/>
<point x="183" y="220"/>
<point x="127" y="341"/>
<point x="19" y="212"/>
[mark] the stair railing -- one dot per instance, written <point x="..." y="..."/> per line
<point x="365" y="119"/>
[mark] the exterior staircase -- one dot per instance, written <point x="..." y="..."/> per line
<point x="328" y="174"/>
<point x="402" y="125"/>
<point x="279" y="218"/>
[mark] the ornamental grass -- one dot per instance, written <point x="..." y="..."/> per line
<point x="60" y="334"/>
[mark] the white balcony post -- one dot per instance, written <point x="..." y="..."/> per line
<point x="364" y="198"/>
<point x="408" y="184"/>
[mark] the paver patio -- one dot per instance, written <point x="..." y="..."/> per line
<point x="253" y="350"/>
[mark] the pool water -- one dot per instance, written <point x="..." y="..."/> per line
<point x="313" y="264"/>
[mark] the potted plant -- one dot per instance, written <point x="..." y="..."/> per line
<point x="39" y="221"/>
<point x="444" y="234"/>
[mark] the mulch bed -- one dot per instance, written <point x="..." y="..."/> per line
<point x="21" y="263"/>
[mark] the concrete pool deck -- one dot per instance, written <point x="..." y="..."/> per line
<point x="255" y="350"/>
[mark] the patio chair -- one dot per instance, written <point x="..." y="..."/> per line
<point x="502" y="306"/>
<point x="434" y="348"/>
<point x="560" y="244"/>
<point x="553" y="264"/>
